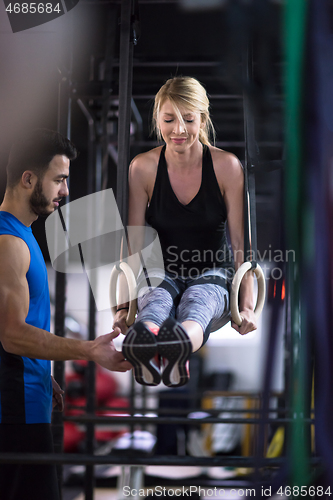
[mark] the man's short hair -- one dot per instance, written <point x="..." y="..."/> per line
<point x="34" y="151"/>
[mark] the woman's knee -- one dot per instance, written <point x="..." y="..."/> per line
<point x="154" y="297"/>
<point x="209" y="297"/>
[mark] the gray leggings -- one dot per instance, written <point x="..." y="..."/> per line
<point x="204" y="299"/>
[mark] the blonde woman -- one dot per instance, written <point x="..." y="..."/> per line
<point x="188" y="191"/>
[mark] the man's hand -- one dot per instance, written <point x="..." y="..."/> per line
<point x="249" y="322"/>
<point x="57" y="399"/>
<point x="105" y="354"/>
<point x="120" y="321"/>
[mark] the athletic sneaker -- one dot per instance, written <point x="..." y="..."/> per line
<point x="140" y="349"/>
<point x="175" y="348"/>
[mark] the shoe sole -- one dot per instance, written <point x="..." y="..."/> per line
<point x="174" y="345"/>
<point x="139" y="348"/>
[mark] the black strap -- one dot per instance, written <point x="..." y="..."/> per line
<point x="125" y="97"/>
<point x="251" y="159"/>
<point x="125" y="94"/>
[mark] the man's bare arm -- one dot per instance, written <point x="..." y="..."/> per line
<point x="18" y="337"/>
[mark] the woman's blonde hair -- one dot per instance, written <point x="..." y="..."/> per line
<point x="187" y="92"/>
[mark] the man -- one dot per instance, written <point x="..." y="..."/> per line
<point x="37" y="174"/>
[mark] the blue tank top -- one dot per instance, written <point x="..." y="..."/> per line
<point x="25" y="383"/>
<point x="193" y="236"/>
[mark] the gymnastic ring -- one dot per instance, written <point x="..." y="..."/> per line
<point x="242" y="270"/>
<point x="123" y="267"/>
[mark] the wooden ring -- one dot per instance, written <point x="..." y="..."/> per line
<point x="123" y="267"/>
<point x="242" y="270"/>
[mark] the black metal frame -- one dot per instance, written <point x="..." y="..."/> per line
<point x="120" y="459"/>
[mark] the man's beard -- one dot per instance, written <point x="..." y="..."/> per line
<point x="38" y="202"/>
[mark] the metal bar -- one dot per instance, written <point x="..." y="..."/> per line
<point x="125" y="96"/>
<point x="211" y="96"/>
<point x="108" y="74"/>
<point x="89" y="479"/>
<point x="96" y="88"/>
<point x="163" y="64"/>
<point x="220" y="144"/>
<point x="94" y="186"/>
<point x="211" y="394"/>
<point x="138" y="119"/>
<point x="250" y="228"/>
<point x="184" y="411"/>
<point x="125" y="90"/>
<point x="90" y="375"/>
<point x="64" y="128"/>
<point x="124" y="420"/>
<point x="91" y="128"/>
<point x="296" y="23"/>
<point x="120" y="459"/>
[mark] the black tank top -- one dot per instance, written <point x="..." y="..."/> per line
<point x="192" y="236"/>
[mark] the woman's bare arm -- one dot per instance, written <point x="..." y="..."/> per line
<point x="138" y="201"/>
<point x="231" y="179"/>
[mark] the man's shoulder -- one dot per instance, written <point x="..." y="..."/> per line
<point x="14" y="261"/>
<point x="13" y="248"/>
<point x="12" y="232"/>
